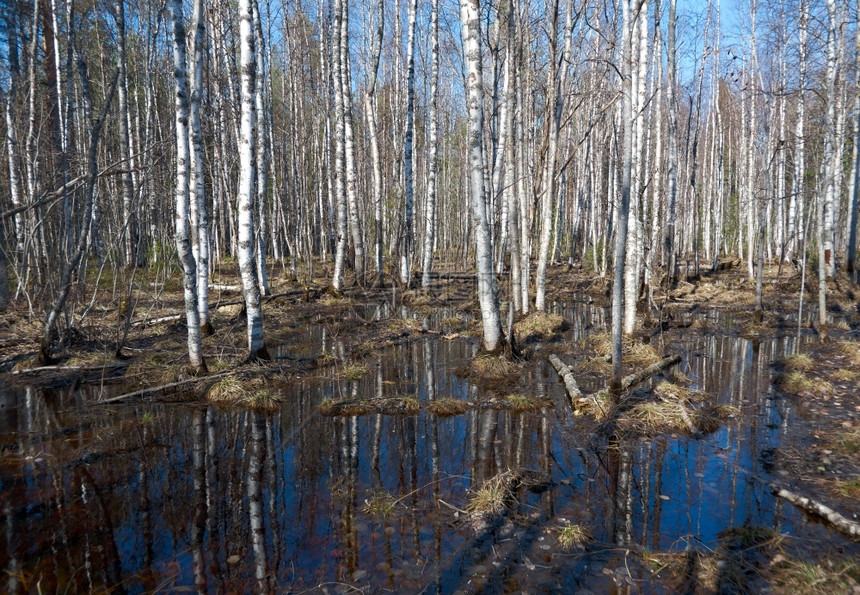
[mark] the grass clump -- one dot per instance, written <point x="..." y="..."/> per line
<point x="639" y="354"/>
<point x="850" y="488"/>
<point x="573" y="536"/>
<point x="253" y="394"/>
<point x="849" y="349"/>
<point x="331" y="407"/>
<point x="448" y="407"/>
<point x="848" y="442"/>
<point x="845" y="375"/>
<point x="379" y="503"/>
<point x="353" y="372"/>
<point x="539" y="325"/>
<point x="798" y="382"/>
<point x="798" y="362"/>
<point x="494" y="496"/>
<point x="493" y="367"/>
<point x="654" y="416"/>
<point x="524" y="403"/>
<point x="826" y="576"/>
<point x="712" y="417"/>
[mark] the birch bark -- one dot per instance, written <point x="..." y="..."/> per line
<point x="183" y="241"/>
<point x="247" y="179"/>
<point x="430" y="208"/>
<point x="487" y="289"/>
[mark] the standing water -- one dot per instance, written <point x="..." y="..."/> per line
<point x="157" y="497"/>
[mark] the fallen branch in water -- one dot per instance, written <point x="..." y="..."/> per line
<point x="836" y="520"/>
<point x="576" y="395"/>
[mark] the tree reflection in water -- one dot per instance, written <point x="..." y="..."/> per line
<point x="141" y="497"/>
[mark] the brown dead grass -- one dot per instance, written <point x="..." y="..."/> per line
<point x="493" y="367"/>
<point x="448" y="407"/>
<point x="539" y="325"/>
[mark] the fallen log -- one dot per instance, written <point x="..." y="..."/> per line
<point x="596" y="398"/>
<point x="836" y="520"/>
<point x="566" y="374"/>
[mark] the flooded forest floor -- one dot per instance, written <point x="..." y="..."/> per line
<point x="379" y="451"/>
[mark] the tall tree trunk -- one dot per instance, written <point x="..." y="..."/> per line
<point x="247" y="179"/>
<point x="626" y="170"/>
<point x="488" y="297"/>
<point x="408" y="206"/>
<point x="430" y="208"/>
<point x="183" y="241"/>
<point x="339" y="170"/>
<point x="373" y="133"/>
<point x="355" y="227"/>
<point x="672" y="169"/>
<point x="130" y="242"/>
<point x="262" y="188"/>
<point x="198" y="196"/>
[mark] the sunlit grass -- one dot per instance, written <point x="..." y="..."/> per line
<point x="573" y="536"/>
<point x="447" y="407"/>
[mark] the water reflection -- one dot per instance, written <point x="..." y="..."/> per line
<point x="149" y="497"/>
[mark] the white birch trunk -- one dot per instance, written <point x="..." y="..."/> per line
<point x="487" y="289"/>
<point x="349" y="151"/>
<point x="406" y="248"/>
<point x="247" y="179"/>
<point x="373" y="133"/>
<point x="672" y="169"/>
<point x="626" y="167"/>
<point x="340" y="181"/>
<point x="430" y="208"/>
<point x="198" y="196"/>
<point x="183" y="241"/>
<point x="261" y="248"/>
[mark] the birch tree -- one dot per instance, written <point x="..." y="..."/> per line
<point x="626" y="170"/>
<point x="247" y="180"/>
<point x="430" y="205"/>
<point x="488" y="298"/>
<point x="200" y="220"/>
<point x="409" y="198"/>
<point x="182" y="191"/>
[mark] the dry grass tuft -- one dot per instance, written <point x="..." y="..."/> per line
<point x="711" y="418"/>
<point x="798" y="382"/>
<point x="656" y="416"/>
<point x="353" y="372"/>
<point x="643" y="355"/>
<point x="447" y="407"/>
<point x="253" y="394"/>
<point x="573" y="536"/>
<point x="418" y="297"/>
<point x="849" y="349"/>
<point x="379" y="503"/>
<point x="494" y="497"/>
<point x="845" y="375"/>
<point x="597" y="364"/>
<point x="634" y="352"/>
<point x="824" y="577"/>
<point x="850" y="488"/>
<point x="847" y="442"/>
<point x="493" y="367"/>
<point x="332" y="407"/>
<point x="799" y="362"/>
<point x="525" y="403"/>
<point x="539" y="325"/>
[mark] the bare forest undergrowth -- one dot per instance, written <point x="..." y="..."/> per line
<point x="820" y="459"/>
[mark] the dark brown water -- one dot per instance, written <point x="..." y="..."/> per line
<point x="161" y="497"/>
